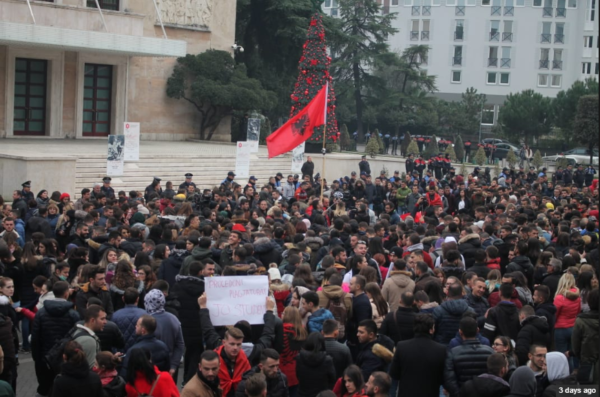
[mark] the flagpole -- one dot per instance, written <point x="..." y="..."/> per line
<point x="324" y="150"/>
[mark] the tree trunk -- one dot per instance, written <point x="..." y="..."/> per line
<point x="358" y="100"/>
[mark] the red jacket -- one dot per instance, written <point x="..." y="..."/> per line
<point x="241" y="366"/>
<point x="165" y="387"/>
<point x="437" y="200"/>
<point x="287" y="359"/>
<point x="300" y="194"/>
<point x="568" y="307"/>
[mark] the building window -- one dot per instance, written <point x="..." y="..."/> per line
<point x="556" y="80"/>
<point x="537" y="3"/>
<point x="504" y="78"/>
<point x="456" y="76"/>
<point x="571" y="3"/>
<point x="105" y="4"/>
<point x="557" y="62"/>
<point x="597" y="68"/>
<point x="591" y="11"/>
<point x="493" y="57"/>
<point x="542" y="80"/>
<point x="97" y="100"/>
<point x="586" y="68"/>
<point x="559" y="33"/>
<point x="487" y="115"/>
<point x="545" y="58"/>
<point x="505" y="60"/>
<point x="485" y="2"/>
<point x="457" y="59"/>
<point x="520" y="3"/>
<point x="588" y="41"/>
<point x="491" y="77"/>
<point x="459" y="30"/>
<point x="494" y="30"/>
<point x="30" y="97"/>
<point x="395" y="3"/>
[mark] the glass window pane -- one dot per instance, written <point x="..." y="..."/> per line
<point x="21" y="64"/>
<point x="88" y="116"/>
<point x="36" y="126"/>
<point x="20" y="77"/>
<point x="37" y="114"/>
<point x="37" y="90"/>
<point x="103" y="94"/>
<point x="104" y="70"/>
<point x="504" y="78"/>
<point x="20" y="114"/>
<point x="520" y="3"/>
<point x="102" y="105"/>
<point x="508" y="26"/>
<point x="456" y="76"/>
<point x="102" y="116"/>
<point x="38" y="66"/>
<point x="537" y="3"/>
<point x="89" y="70"/>
<point x="491" y="78"/>
<point x="20" y="89"/>
<point x="556" y="79"/>
<point x="543" y="80"/>
<point x="103" y="82"/>
<point x="88" y="93"/>
<point x="101" y="127"/>
<point x="19" y="126"/>
<point x="87" y="127"/>
<point x="546" y="27"/>
<point x="37" y="78"/>
<point x="20" y="101"/>
<point x="89" y="82"/>
<point x="36" y="102"/>
<point x="505" y="52"/>
<point x="88" y="104"/>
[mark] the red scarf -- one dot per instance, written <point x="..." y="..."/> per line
<point x="241" y="365"/>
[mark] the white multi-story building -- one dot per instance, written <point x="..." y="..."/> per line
<point x="498" y="46"/>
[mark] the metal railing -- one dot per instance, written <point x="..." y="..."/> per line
<point x="509" y="11"/>
<point x="459" y="11"/>
<point x="544" y="64"/>
<point x="493" y="62"/>
<point x="505" y="62"/>
<point x="416" y="10"/>
<point x="547" y="12"/>
<point x="561" y="12"/>
<point x="496" y="10"/>
<point x="458" y="36"/>
<point x="426" y="11"/>
<point x="425" y="35"/>
<point x="456" y="61"/>
<point x="507" y="36"/>
<point x="494" y="36"/>
<point x="414" y="35"/>
<point x="559" y="38"/>
<point x="557" y="65"/>
<point x="546" y="38"/>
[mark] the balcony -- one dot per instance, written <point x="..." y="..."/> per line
<point x="416" y="10"/>
<point x="426" y="11"/>
<point x="544" y="64"/>
<point x="546" y="38"/>
<point x="507" y="36"/>
<point x="494" y="36"/>
<point x="493" y="62"/>
<point x="561" y="12"/>
<point x="547" y="12"/>
<point x="509" y="11"/>
<point x="505" y="62"/>
<point x="458" y="36"/>
<point x="414" y="35"/>
<point x="559" y="38"/>
<point x="496" y="10"/>
<point x="456" y="61"/>
<point x="557" y="65"/>
<point x="459" y="11"/>
<point x="425" y="35"/>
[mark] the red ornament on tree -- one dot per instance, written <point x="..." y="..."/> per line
<point x="314" y="73"/>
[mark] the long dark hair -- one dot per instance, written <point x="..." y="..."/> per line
<point x="354" y="373"/>
<point x="376" y="246"/>
<point x="124" y="277"/>
<point x="140" y="360"/>
<point x="353" y="264"/>
<point x="74" y="354"/>
<point x="160" y="251"/>
<point x="315" y="343"/>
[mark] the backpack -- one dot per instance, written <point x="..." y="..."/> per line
<point x="54" y="356"/>
<point x="338" y="310"/>
<point x="151" y="390"/>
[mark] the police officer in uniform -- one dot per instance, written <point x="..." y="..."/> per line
<point x="589" y="175"/>
<point x="108" y="191"/>
<point x="386" y="142"/>
<point x="410" y="164"/>
<point x="395" y="145"/>
<point x="26" y="193"/>
<point x="188" y="182"/>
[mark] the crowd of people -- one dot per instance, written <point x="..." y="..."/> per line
<point x="421" y="283"/>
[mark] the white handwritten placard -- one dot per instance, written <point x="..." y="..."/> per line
<point x="234" y="298"/>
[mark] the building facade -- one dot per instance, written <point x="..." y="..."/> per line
<point x="79" y="69"/>
<point x="498" y="46"/>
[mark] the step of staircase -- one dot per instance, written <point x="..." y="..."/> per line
<point x="208" y="170"/>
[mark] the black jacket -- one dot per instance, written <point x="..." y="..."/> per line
<point x="276" y="387"/>
<point x="551" y="281"/>
<point x="37" y="224"/>
<point x="418" y="366"/>
<point x="480" y="306"/>
<point x="116" y="388"/>
<point x="522" y="264"/>
<point x="315" y="373"/>
<point x="447" y="317"/>
<point x="398" y="326"/>
<point x="187" y="289"/>
<point x="131" y="246"/>
<point x="51" y="323"/>
<point x="161" y="357"/>
<point x="308" y="168"/>
<point x="340" y="354"/>
<point x="467" y="247"/>
<point x="363" y="166"/>
<point x="267" y="251"/>
<point x="465" y="362"/>
<point x="77" y="381"/>
<point x="534" y="331"/>
<point x="86" y="293"/>
<point x="548" y="310"/>
<point x="369" y="361"/>
<point x="480" y="269"/>
<point x="171" y="266"/>
<point x="110" y="337"/>
<point x="502" y="319"/>
<point x="485" y="385"/>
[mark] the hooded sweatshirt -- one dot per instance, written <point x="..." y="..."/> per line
<point x="398" y="282"/>
<point x="522" y="382"/>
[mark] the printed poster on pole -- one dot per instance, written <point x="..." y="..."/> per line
<point x="242" y="160"/>
<point x="116" y="155"/>
<point x="298" y="157"/>
<point x="132" y="141"/>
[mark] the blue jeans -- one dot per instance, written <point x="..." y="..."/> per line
<point x="25" y="332"/>
<point x="562" y="343"/>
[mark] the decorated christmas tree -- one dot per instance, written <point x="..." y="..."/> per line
<point x="314" y="74"/>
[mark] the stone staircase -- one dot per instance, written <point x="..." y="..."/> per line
<point x="208" y="169"/>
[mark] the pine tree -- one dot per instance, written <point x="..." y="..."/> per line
<point x="379" y="140"/>
<point x="562" y="162"/>
<point x="434" y="146"/>
<point x="459" y="148"/>
<point x="372" y="146"/>
<point x="480" y="156"/>
<point x="497" y="169"/>
<point x="412" y="148"/>
<point x="314" y="74"/>
<point x="451" y="152"/>
<point x="511" y="159"/>
<point x="463" y="169"/>
<point x="537" y="159"/>
<point x="405" y="142"/>
<point x="344" y="138"/>
<point x="265" y="130"/>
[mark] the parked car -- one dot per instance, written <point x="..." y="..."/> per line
<point x="578" y="155"/>
<point x="494" y="141"/>
<point x="502" y="149"/>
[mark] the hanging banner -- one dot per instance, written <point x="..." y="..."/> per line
<point x="115" y="156"/>
<point x="298" y="157"/>
<point x="132" y="141"/>
<point x="232" y="298"/>
<point x="253" y="134"/>
<point x="242" y="160"/>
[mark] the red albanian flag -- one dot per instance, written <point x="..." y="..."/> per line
<point x="300" y="127"/>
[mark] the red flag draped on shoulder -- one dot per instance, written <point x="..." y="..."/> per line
<point x="300" y="127"/>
